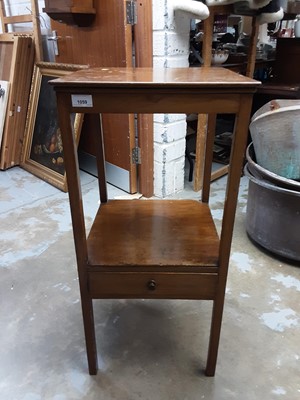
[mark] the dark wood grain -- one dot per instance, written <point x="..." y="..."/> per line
<point x="157" y="248"/>
<point x="163" y="285"/>
<point x="153" y="233"/>
<point x="149" y="77"/>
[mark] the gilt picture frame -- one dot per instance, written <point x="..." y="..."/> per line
<point x="42" y="153"/>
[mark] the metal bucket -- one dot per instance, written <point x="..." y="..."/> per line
<point x="273" y="217"/>
<point x="261" y="173"/>
<point x="276" y="138"/>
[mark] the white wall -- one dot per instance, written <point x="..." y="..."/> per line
<point x="170" y="49"/>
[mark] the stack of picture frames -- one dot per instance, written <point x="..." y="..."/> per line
<point x="16" y="65"/>
<point x="42" y="153"/>
<point x="4" y="93"/>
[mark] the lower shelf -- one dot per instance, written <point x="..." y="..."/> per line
<point x="174" y="234"/>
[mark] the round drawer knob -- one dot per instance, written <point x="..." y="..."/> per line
<point x="151" y="284"/>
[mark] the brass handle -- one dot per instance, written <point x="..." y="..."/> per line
<point x="151" y="284"/>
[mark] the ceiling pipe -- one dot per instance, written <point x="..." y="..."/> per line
<point x="194" y="9"/>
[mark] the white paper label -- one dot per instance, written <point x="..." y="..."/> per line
<point x="82" y="100"/>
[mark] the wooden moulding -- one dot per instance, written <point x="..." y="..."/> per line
<point x="20" y="59"/>
<point x="42" y="153"/>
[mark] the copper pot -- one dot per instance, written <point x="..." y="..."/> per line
<point x="273" y="217"/>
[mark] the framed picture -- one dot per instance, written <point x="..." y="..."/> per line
<point x="4" y="94"/>
<point x="43" y="153"/>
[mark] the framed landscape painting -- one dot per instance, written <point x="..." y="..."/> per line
<point x="43" y="153"/>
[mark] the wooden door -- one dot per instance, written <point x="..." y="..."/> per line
<point x="107" y="42"/>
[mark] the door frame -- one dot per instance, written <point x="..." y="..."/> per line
<point x="143" y="41"/>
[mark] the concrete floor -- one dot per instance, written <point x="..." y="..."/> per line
<point x="146" y="349"/>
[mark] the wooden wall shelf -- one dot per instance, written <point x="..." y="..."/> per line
<point x="71" y="12"/>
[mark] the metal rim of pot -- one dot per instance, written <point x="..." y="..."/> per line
<point x="267" y="184"/>
<point x="259" y="172"/>
<point x="272" y="112"/>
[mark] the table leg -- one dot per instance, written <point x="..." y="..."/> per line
<point x="232" y="189"/>
<point x="210" y="138"/>
<point x="200" y="151"/>
<point x="96" y="120"/>
<point x="75" y="197"/>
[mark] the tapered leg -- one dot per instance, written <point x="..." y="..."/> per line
<point x="79" y="231"/>
<point x="215" y="331"/>
<point x="90" y="337"/>
<point x="236" y="162"/>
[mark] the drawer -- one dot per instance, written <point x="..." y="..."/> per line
<point x="152" y="285"/>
